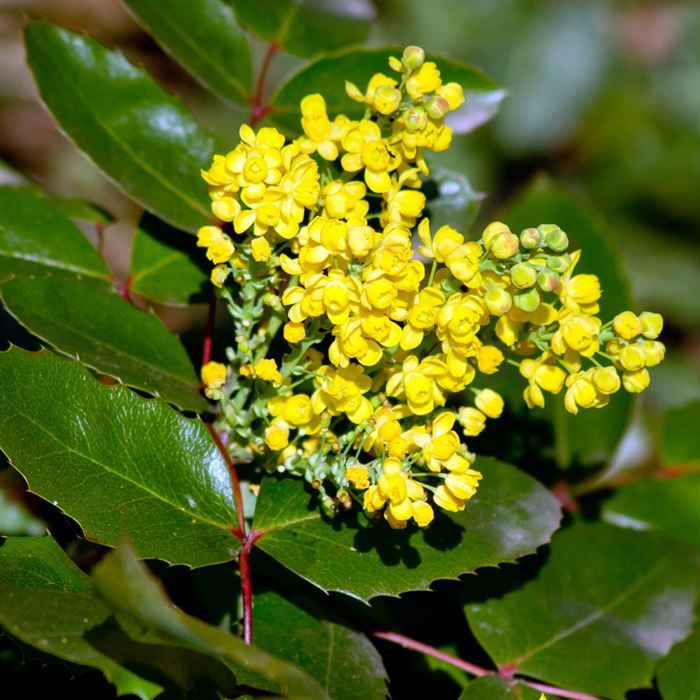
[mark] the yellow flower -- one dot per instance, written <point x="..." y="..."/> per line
<point x="321" y="134"/>
<point x="578" y="332"/>
<point x="627" y="325"/>
<point x="381" y="95"/>
<point x="453" y="94"/>
<point x="261" y="249"/>
<point x="472" y="420"/>
<point x="421" y="317"/>
<point x="422" y="513"/>
<point x="296" y="410"/>
<point x="541" y="374"/>
<point x="582" y="392"/>
<point x="358" y="477"/>
<point x="343" y="391"/>
<point x="267" y="371"/>
<point x="213" y="378"/>
<point x="579" y="293"/>
<point x="489" y="359"/>
<point x="294" y="332"/>
<point x="418" y="387"/>
<point x="652" y="324"/>
<point x="423" y="81"/>
<point x="219" y="274"/>
<point x="345" y="200"/>
<point x="277" y="435"/>
<point x="636" y="382"/>
<point x="489" y="403"/>
<point x="438" y="445"/>
<point x="219" y="247"/>
<point x="402" y="206"/>
<point x="365" y="148"/>
<point x="632" y="358"/>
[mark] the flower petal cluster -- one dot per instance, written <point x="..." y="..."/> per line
<point x="361" y="360"/>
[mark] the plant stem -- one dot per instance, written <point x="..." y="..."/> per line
<point x="257" y="109"/>
<point x="473" y="669"/>
<point x="209" y="329"/>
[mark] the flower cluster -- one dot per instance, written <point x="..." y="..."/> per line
<point x="362" y="356"/>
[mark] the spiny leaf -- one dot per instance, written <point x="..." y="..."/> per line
<point x="105" y="332"/>
<point x="606" y="605"/>
<point x="141" y="137"/>
<point x="511" y="515"/>
<point x="117" y="463"/>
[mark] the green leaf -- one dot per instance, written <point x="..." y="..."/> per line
<point x="47" y="602"/>
<point x="305" y="27"/>
<point x="205" y="38"/>
<point x="35" y="237"/>
<point x="127" y="586"/>
<point x="451" y="199"/>
<point x="166" y="267"/>
<point x="591" y="436"/>
<point x="680" y="438"/>
<point x="117" y="463"/>
<point x="140" y="136"/>
<point x="106" y="333"/>
<point x="344" y="661"/>
<point x="328" y="73"/>
<point x="678" y="675"/>
<point x="495" y="688"/>
<point x="511" y="515"/>
<point x="671" y="506"/>
<point x="606" y="605"/>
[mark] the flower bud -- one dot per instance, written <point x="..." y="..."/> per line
<point x="523" y="275"/>
<point x="559" y="263"/>
<point x="606" y="380"/>
<point x="632" y="358"/>
<point x="636" y="382"/>
<point x="498" y="301"/>
<point x="472" y="420"/>
<point x="415" y="119"/>
<point x="386" y="99"/>
<point x="652" y="324"/>
<point x="489" y="403"/>
<point x="547" y="280"/>
<point x="527" y="301"/>
<point x="437" y="107"/>
<point x="557" y="241"/>
<point x="530" y="238"/>
<point x="627" y="325"/>
<point x="413" y="57"/>
<point x="654" y="352"/>
<point x="491" y="231"/>
<point x="504" y="245"/>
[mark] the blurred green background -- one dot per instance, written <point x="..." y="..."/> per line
<point x="603" y="96"/>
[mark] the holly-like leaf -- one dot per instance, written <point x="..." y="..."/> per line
<point x="591" y="436"/>
<point x="495" y="688"/>
<point x="344" y="661"/>
<point x="105" y="332"/>
<point x="140" y="136"/>
<point x="205" y="38"/>
<point x="606" y="605"/>
<point x="303" y="27"/>
<point x="511" y="516"/>
<point x="166" y="267"/>
<point x="671" y="506"/>
<point x="127" y="586"/>
<point x="36" y="237"/>
<point x="678" y="675"/>
<point x="482" y="95"/>
<point x="47" y="602"/>
<point x="117" y="463"/>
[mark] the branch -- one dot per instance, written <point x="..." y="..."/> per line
<point x="473" y="669"/>
<point x="257" y="109"/>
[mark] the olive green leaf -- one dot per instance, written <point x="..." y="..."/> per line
<point x="205" y="38"/>
<point x="141" y="137"/>
<point x="117" y="463"/>
<point x="495" y="688"/>
<point x="678" y="675"/>
<point x="511" y="516"/>
<point x="105" y="332"/>
<point x="605" y="606"/>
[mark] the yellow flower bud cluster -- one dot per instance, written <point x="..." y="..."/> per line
<point x="352" y="345"/>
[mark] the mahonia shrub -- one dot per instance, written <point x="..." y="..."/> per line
<point x="389" y="342"/>
<point x="390" y="397"/>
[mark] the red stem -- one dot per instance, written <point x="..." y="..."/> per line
<point x="473" y="669"/>
<point x="247" y="585"/>
<point x="257" y="109"/>
<point x="209" y="329"/>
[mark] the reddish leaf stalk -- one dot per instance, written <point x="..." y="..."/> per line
<point x="473" y="669"/>
<point x="257" y="109"/>
<point x="209" y="329"/>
